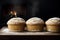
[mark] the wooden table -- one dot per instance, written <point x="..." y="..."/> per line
<point x="6" y="35"/>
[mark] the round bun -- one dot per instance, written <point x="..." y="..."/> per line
<point x="35" y="20"/>
<point x="16" y="20"/>
<point x="54" y="20"/>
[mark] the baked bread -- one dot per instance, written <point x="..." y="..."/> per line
<point x="35" y="24"/>
<point x="53" y="24"/>
<point x="16" y="24"/>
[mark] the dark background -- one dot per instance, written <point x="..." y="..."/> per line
<point x="44" y="9"/>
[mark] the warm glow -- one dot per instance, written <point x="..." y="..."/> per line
<point x="14" y="13"/>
